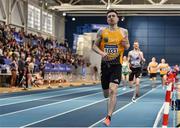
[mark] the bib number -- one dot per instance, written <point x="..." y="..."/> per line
<point x="111" y="49"/>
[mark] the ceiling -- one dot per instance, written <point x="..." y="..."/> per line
<point x="124" y="7"/>
<point x="101" y="2"/>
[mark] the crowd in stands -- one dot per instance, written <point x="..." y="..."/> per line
<point x="27" y="54"/>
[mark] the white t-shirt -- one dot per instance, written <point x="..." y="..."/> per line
<point x="135" y="58"/>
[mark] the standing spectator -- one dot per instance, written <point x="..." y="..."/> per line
<point x="21" y="68"/>
<point x="95" y="73"/>
<point x="14" y="70"/>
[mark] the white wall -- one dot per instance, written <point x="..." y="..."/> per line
<point x="95" y="58"/>
<point x="58" y="21"/>
<point x="15" y="16"/>
<point x="59" y="27"/>
<point x="1" y="16"/>
<point x="84" y="47"/>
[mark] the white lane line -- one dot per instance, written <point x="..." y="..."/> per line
<point x="121" y="108"/>
<point x="43" y="97"/>
<point x="81" y="88"/>
<point x="156" y="122"/>
<point x="13" y="97"/>
<point x="37" y="94"/>
<point x="34" y="99"/>
<point x="49" y="104"/>
<point x="73" y="110"/>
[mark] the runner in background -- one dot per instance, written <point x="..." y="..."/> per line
<point x="163" y="68"/>
<point x="125" y="72"/>
<point x="135" y="58"/>
<point x="152" y="70"/>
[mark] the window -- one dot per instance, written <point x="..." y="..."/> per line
<point x="47" y="22"/>
<point x="33" y="17"/>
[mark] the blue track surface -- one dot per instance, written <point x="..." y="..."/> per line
<point x="80" y="107"/>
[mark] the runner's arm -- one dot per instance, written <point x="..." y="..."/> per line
<point x="142" y="57"/>
<point x="97" y="44"/>
<point x="148" y="68"/>
<point x="129" y="56"/>
<point x="125" y="41"/>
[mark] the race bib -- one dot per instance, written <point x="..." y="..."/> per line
<point x="111" y="50"/>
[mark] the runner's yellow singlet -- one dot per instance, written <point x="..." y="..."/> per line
<point x="163" y="69"/>
<point x="111" y="43"/>
<point x="153" y="67"/>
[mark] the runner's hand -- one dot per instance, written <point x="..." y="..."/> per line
<point x="104" y="56"/>
<point x="124" y="42"/>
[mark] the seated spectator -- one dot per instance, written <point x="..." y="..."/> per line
<point x="37" y="79"/>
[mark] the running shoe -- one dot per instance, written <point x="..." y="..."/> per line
<point x="133" y="99"/>
<point x="107" y="121"/>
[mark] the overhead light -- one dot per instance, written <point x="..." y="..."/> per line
<point x="64" y="14"/>
<point x="122" y="18"/>
<point x="73" y="19"/>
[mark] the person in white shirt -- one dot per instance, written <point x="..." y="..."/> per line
<point x="135" y="58"/>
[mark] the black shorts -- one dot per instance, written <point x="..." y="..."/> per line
<point x="152" y="75"/>
<point x="162" y="75"/>
<point x="110" y="74"/>
<point x="135" y="72"/>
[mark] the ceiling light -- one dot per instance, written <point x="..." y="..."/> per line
<point x="64" y="14"/>
<point x="122" y="18"/>
<point x="73" y="19"/>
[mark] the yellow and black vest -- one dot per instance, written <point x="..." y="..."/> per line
<point x="111" y="43"/>
<point x="163" y="68"/>
<point x="153" y="67"/>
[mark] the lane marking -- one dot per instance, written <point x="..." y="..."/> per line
<point x="156" y="122"/>
<point x="73" y="110"/>
<point x="45" y="97"/>
<point x="122" y="108"/>
<point x="79" y="88"/>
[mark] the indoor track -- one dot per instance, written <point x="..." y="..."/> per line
<point x="80" y="107"/>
